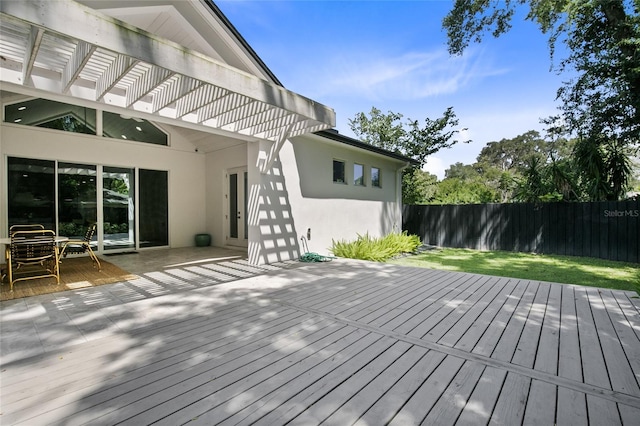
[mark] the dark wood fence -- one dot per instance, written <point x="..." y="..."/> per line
<point x="607" y="230"/>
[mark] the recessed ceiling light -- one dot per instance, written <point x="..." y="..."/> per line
<point x="17" y="120"/>
<point x="138" y="128"/>
<point x="124" y="137"/>
<point x="22" y="108"/>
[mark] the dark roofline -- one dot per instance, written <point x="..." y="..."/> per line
<point x="335" y="136"/>
<point x="216" y="11"/>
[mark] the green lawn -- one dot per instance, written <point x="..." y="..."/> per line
<point x="559" y="269"/>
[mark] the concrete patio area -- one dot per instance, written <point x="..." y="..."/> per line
<point x="204" y="338"/>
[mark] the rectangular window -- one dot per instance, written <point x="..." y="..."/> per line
<point x="358" y="174"/>
<point x="338" y="171"/>
<point x="31" y="192"/>
<point x="375" y="177"/>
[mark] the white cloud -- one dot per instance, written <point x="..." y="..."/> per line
<point x="408" y="76"/>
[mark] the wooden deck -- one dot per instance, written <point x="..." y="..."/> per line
<point x="345" y="343"/>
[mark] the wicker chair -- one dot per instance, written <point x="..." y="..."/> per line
<point x="32" y="254"/>
<point x="83" y="246"/>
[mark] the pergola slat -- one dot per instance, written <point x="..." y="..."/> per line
<point x="129" y="68"/>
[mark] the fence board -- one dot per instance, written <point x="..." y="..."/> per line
<point x="607" y="229"/>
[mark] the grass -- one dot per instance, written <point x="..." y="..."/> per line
<point x="559" y="269"/>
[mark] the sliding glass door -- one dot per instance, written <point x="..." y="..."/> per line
<point x="68" y="197"/>
<point x="118" y="208"/>
<point x="77" y="199"/>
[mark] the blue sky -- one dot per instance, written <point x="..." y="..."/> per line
<point x="353" y="55"/>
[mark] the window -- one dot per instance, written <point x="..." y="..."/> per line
<point x="77" y="119"/>
<point x="52" y="115"/>
<point x="121" y="126"/>
<point x="31" y="193"/>
<point x="338" y="171"/>
<point x="358" y="174"/>
<point x="375" y="177"/>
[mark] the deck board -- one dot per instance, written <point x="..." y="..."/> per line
<point x="350" y="343"/>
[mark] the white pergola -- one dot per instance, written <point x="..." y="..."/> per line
<point x="67" y="50"/>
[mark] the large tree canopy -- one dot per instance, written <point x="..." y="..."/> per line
<point x="601" y="102"/>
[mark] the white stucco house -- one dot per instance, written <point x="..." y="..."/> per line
<point x="157" y="120"/>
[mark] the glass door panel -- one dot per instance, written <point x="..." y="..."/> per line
<point x="31" y="192"/>
<point x="153" y="208"/>
<point x="237" y="223"/>
<point x="77" y="199"/>
<point x="118" y="201"/>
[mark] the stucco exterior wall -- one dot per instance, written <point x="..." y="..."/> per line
<point x="186" y="168"/>
<point x="334" y="210"/>
<point x="299" y="195"/>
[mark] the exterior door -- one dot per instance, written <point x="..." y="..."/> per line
<point x="237" y="226"/>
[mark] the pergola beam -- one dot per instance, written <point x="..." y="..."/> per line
<point x="97" y="29"/>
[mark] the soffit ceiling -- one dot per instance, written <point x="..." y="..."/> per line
<point x="101" y="60"/>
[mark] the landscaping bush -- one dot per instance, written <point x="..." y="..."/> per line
<point x="381" y="249"/>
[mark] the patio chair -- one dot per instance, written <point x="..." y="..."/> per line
<point x="12" y="229"/>
<point x="83" y="246"/>
<point x="32" y="254"/>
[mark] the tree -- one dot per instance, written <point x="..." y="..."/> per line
<point x="387" y="131"/>
<point x="418" y="186"/>
<point x="601" y="105"/>
<point x="409" y="139"/>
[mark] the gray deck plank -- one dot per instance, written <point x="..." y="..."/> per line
<point x="385" y="408"/>
<point x="477" y="315"/>
<point x="190" y="334"/>
<point x="414" y="316"/>
<point x="480" y="285"/>
<point x="594" y="368"/>
<point x="482" y="400"/>
<point x="119" y="390"/>
<point x="496" y="314"/>
<point x="392" y="297"/>
<point x="280" y="398"/>
<point x="460" y="319"/>
<point x="629" y="415"/>
<point x="621" y="374"/>
<point x="500" y="342"/>
<point x="527" y="348"/>
<point x="331" y="402"/>
<point x="630" y="309"/>
<point x="541" y="404"/>
<point x="624" y="332"/>
<point x="571" y="408"/>
<point x="428" y="394"/>
<point x="570" y="363"/>
<point x="401" y="314"/>
<point x="511" y="404"/>
<point x="602" y="411"/>
<point x="449" y="406"/>
<point x="158" y="398"/>
<point x="548" y="346"/>
<point x="210" y="402"/>
<point x="319" y="389"/>
<point x="362" y="401"/>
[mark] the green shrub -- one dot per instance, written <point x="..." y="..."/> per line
<point x="381" y="249"/>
